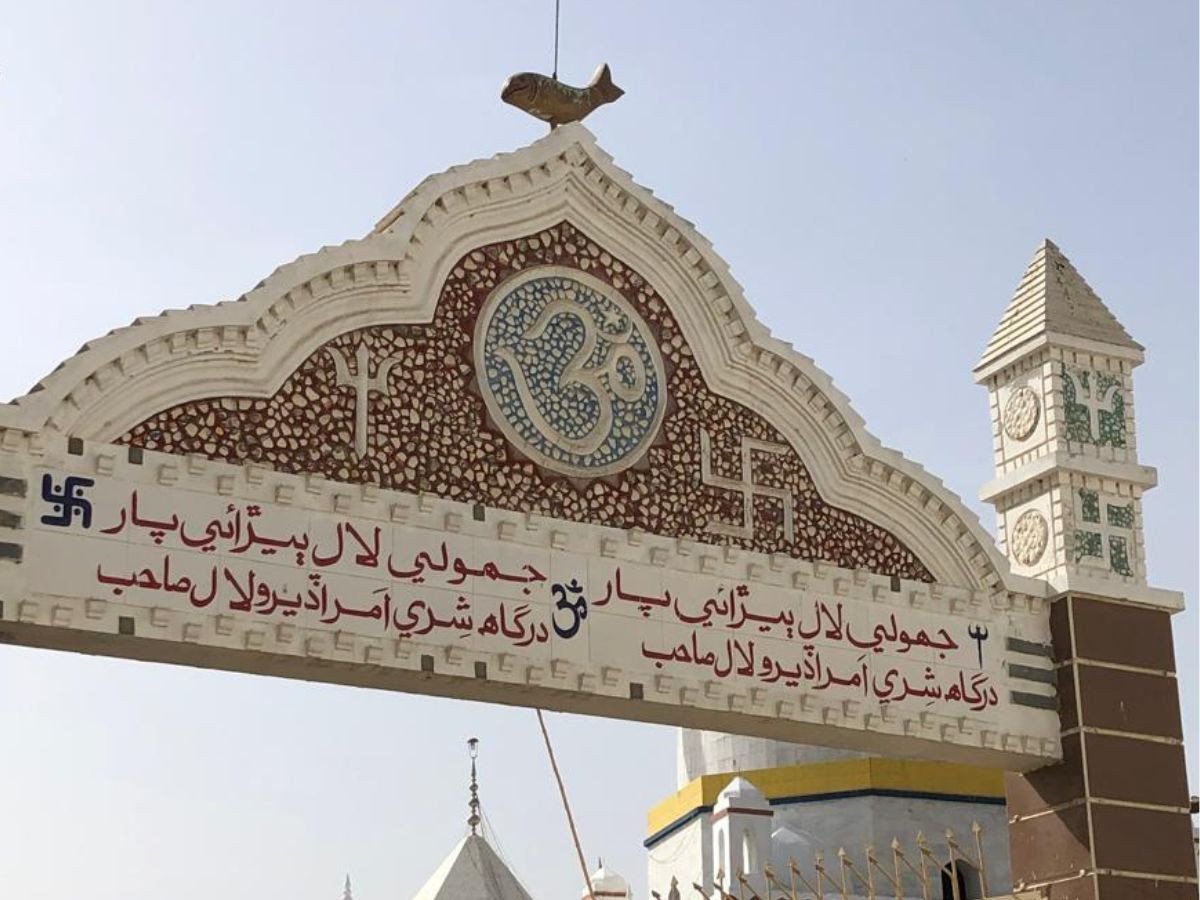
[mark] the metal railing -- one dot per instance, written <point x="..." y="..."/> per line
<point x="906" y="876"/>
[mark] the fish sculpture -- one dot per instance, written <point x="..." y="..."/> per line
<point x="552" y="101"/>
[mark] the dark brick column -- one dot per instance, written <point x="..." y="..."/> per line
<point x="1111" y="821"/>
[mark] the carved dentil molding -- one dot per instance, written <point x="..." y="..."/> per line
<point x="392" y="276"/>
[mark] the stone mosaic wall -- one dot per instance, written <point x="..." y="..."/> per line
<point x="1095" y="407"/>
<point x="1104" y="533"/>
<point x="417" y="420"/>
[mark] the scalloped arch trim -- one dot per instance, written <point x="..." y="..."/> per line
<point x="393" y="278"/>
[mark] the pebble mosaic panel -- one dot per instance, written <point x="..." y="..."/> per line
<point x="568" y="372"/>
<point x="1093" y="542"/>
<point x="432" y="430"/>
<point x="1118" y="547"/>
<point x="1095" y="407"/>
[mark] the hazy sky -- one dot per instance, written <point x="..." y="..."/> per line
<point x="877" y="176"/>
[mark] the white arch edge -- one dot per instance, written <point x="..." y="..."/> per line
<point x="159" y="361"/>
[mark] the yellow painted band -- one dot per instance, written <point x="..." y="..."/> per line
<point x="810" y="779"/>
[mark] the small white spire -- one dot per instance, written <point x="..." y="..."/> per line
<point x="473" y="820"/>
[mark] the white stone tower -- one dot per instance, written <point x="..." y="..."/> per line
<point x="741" y="831"/>
<point x="1068" y="486"/>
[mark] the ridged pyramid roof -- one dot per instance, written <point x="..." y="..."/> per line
<point x="1053" y="298"/>
<point x="472" y="871"/>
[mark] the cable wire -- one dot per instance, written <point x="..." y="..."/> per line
<point x="557" y="9"/>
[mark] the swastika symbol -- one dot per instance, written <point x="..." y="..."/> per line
<point x="746" y="487"/>
<point x="67" y="501"/>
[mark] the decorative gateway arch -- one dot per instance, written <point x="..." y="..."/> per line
<point x="526" y="443"/>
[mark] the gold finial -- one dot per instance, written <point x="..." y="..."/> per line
<point x="473" y="820"/>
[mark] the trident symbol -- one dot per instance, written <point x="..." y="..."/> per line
<point x="362" y="385"/>
<point x="979" y="634"/>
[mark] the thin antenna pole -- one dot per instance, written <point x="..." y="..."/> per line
<point x="587" y="878"/>
<point x="474" y="820"/>
<point x="557" y="10"/>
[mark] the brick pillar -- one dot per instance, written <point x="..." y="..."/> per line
<point x="1110" y="822"/>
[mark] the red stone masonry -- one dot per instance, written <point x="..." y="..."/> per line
<point x="432" y="433"/>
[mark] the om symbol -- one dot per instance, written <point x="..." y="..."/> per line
<point x="577" y="608"/>
<point x="568" y="372"/>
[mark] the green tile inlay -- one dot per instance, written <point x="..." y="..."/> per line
<point x="1112" y="424"/>
<point x="1088" y="543"/>
<point x="1095" y="407"/>
<point x="1089" y="504"/>
<point x="1118" y="555"/>
<point x="1102" y="541"/>
<point x="1120" y="516"/>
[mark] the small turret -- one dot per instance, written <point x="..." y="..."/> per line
<point x="607" y="885"/>
<point x="473" y="870"/>
<point x="741" y="831"/>
<point x="1068" y="486"/>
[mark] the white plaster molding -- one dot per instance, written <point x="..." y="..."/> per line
<point x="59" y="596"/>
<point x="1042" y="467"/>
<point x="1050" y="338"/>
<point x="1114" y="588"/>
<point x="394" y="276"/>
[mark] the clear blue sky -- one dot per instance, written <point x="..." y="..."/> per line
<point x="877" y="175"/>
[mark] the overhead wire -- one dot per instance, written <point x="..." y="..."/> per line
<point x="557" y="11"/>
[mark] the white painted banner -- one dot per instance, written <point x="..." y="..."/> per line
<point x="245" y="559"/>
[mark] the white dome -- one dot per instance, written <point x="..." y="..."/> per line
<point x="607" y="884"/>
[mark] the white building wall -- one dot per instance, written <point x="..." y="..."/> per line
<point x="856" y="822"/>
<point x="687" y="855"/>
<point x="805" y="828"/>
<point x="707" y="752"/>
<point x="801" y="830"/>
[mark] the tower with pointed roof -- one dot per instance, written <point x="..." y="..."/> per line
<point x="473" y="870"/>
<point x="1068" y="486"/>
<point x="741" y="830"/>
<point x="1068" y="494"/>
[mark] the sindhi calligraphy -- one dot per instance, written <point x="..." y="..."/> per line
<point x="261" y="562"/>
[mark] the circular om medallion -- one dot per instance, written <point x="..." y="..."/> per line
<point x="1029" y="537"/>
<point x="1021" y="413"/>
<point x="569" y="371"/>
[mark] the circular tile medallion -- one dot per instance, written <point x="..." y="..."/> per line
<point x="1029" y="537"/>
<point x="569" y="371"/>
<point x="1021" y="413"/>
